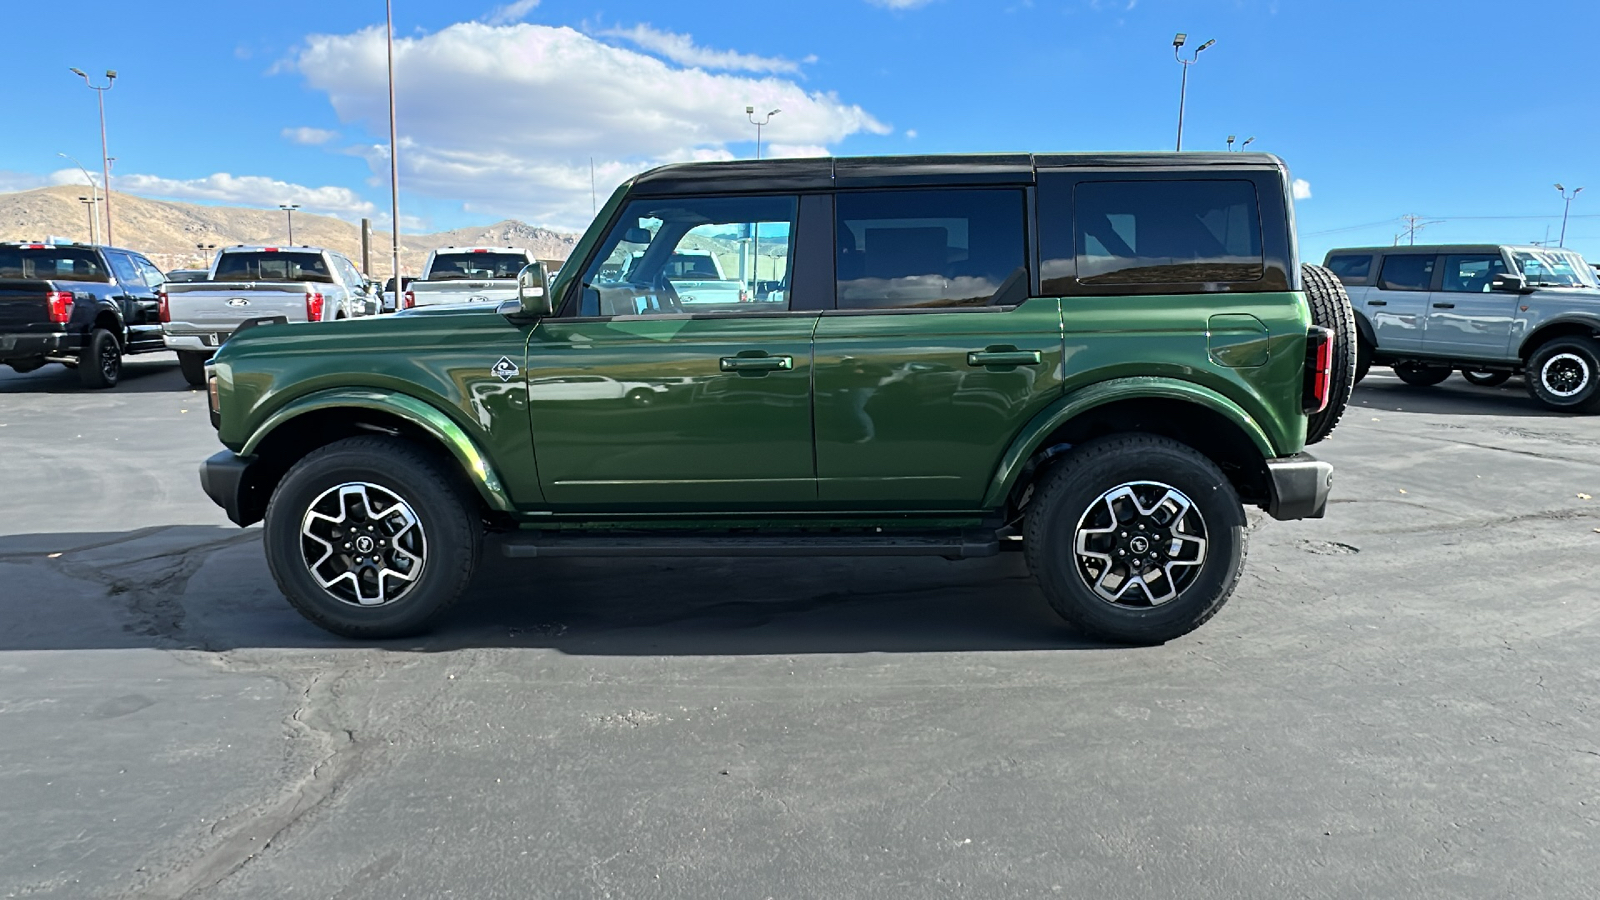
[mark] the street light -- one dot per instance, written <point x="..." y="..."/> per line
<point x="289" y="209"/>
<point x="1567" y="197"/>
<point x="750" y="113"/>
<point x="105" y="158"/>
<point x="1183" y="89"/>
<point x="90" y="205"/>
<point x="1232" y="138"/>
<point x="94" y="200"/>
<point x="394" y="161"/>
<point x="204" y="255"/>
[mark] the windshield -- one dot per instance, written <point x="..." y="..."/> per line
<point x="57" y="264"/>
<point x="476" y="265"/>
<point x="1554" y="268"/>
<point x="273" y="266"/>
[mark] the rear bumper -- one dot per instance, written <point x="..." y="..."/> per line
<point x="225" y="477"/>
<point x="1300" y="487"/>
<point x="33" y="346"/>
<point x="187" y="339"/>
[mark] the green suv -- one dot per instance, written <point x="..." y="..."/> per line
<point x="1095" y="359"/>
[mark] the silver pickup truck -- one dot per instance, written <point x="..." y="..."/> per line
<point x="1490" y="310"/>
<point x="454" y="275"/>
<point x="301" y="284"/>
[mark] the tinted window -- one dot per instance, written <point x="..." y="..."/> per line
<point x="147" y="270"/>
<point x="481" y="264"/>
<point x="931" y="249"/>
<point x="51" y="263"/>
<point x="1406" y="273"/>
<point x="1164" y="232"/>
<point x="123" y="266"/>
<point x="274" y="266"/>
<point x="1471" y="274"/>
<point x="1350" y="268"/>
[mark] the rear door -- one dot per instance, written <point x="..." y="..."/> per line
<point x="1398" y="308"/>
<point x="141" y="309"/>
<point x="935" y="356"/>
<point x="1466" y="318"/>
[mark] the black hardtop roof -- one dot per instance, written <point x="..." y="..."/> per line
<point x="1402" y="249"/>
<point x="820" y="173"/>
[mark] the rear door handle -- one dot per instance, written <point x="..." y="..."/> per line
<point x="756" y="363"/>
<point x="1444" y="306"/>
<point x="1377" y="303"/>
<point x="1004" y="358"/>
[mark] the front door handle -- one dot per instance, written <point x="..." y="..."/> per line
<point x="1377" y="303"/>
<point x="1004" y="358"/>
<point x="1444" y="306"/>
<point x="756" y="363"/>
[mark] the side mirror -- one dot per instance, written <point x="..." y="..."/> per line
<point x="533" y="294"/>
<point x="1511" y="283"/>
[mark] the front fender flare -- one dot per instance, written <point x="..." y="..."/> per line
<point x="1081" y="401"/>
<point x="417" y="412"/>
<point x="1530" y="343"/>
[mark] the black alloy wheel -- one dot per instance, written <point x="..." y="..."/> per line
<point x="1564" y="375"/>
<point x="100" y="366"/>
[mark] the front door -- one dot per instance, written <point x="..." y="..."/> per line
<point x="1465" y="317"/>
<point x="639" y="404"/>
<point x="934" y="358"/>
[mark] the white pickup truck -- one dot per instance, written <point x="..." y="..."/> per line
<point x="301" y="284"/>
<point x="467" y="275"/>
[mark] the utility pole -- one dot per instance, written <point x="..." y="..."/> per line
<point x="750" y="113"/>
<point x="1183" y="87"/>
<point x="1414" y="224"/>
<point x="289" y="209"/>
<point x="105" y="158"/>
<point x="1568" y="208"/>
<point x="394" y="161"/>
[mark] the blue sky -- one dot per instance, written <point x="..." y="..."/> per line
<point x="1465" y="112"/>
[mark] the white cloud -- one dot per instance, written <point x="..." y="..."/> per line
<point x="911" y="133"/>
<point x="507" y="118"/>
<point x="681" y="49"/>
<point x="304" y="135"/>
<point x="1302" y="189"/>
<point x="246" y="190"/>
<point x="510" y="12"/>
<point x="792" y="151"/>
<point x="26" y="181"/>
<point x="900" y="4"/>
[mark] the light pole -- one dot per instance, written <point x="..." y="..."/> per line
<point x="750" y="113"/>
<point x="289" y="209"/>
<point x="94" y="200"/>
<point x="1247" y="142"/>
<point x="394" y="161"/>
<point x="90" y="205"/>
<point x="105" y="158"/>
<point x="204" y="255"/>
<point x="1183" y="88"/>
<point x="1567" y="197"/>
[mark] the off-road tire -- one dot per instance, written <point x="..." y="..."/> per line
<point x="1567" y="355"/>
<point x="100" y="366"/>
<point x="1420" y="375"/>
<point x="1485" y="378"/>
<point x="1330" y="309"/>
<point x="1363" y="358"/>
<point x="448" y="511"/>
<point x="193" y="365"/>
<point x="1077" y="481"/>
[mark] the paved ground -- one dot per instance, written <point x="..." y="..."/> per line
<point x="1399" y="701"/>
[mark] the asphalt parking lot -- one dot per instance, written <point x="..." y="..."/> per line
<point x="1399" y="700"/>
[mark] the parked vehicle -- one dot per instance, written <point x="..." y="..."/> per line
<point x="301" y="284"/>
<point x="1489" y="310"/>
<point x="390" y="297"/>
<point x="81" y="305"/>
<point x="923" y="388"/>
<point x="185" y="275"/>
<point x="698" y="279"/>
<point x="468" y="275"/>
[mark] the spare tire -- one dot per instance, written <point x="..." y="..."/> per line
<point x="1330" y="309"/>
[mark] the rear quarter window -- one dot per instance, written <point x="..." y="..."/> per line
<point x="1351" y="268"/>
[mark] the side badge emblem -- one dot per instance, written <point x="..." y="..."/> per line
<point x="505" y="369"/>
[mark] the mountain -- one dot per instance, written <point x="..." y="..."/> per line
<point x="167" y="231"/>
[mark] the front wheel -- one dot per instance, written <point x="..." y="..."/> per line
<point x="193" y="365"/>
<point x="1135" y="538"/>
<point x="1564" y="375"/>
<point x="370" y="537"/>
<point x="1485" y="378"/>
<point x="1419" y="375"/>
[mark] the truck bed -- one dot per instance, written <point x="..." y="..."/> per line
<point x="218" y="307"/>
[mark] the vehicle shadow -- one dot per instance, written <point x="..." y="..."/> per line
<point x="1381" y="390"/>
<point x="209" y="588"/>
<point x="140" y="374"/>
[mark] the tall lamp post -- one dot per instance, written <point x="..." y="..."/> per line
<point x="750" y="113"/>
<point x="394" y="161"/>
<point x="205" y="256"/>
<point x="1183" y="88"/>
<point x="90" y="205"/>
<point x="1568" y="208"/>
<point x="94" y="200"/>
<point x="105" y="158"/>
<point x="1247" y="142"/>
<point x="289" y="209"/>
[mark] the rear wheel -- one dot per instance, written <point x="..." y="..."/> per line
<point x="372" y="538"/>
<point x="100" y="366"/>
<point x="1135" y="538"/>
<point x="1564" y="375"/>
<point x="1363" y="358"/>
<point x="193" y="364"/>
<point x="1485" y="378"/>
<point x="1420" y="375"/>
<point x="1330" y="309"/>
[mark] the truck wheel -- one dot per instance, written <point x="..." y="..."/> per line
<point x="1330" y="309"/>
<point x="1484" y="378"/>
<point x="1135" y="538"/>
<point x="369" y="537"/>
<point x="100" y="366"/>
<point x="193" y="364"/>
<point x="1420" y="375"/>
<point x="1564" y="375"/>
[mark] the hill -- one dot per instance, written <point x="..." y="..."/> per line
<point x="167" y="231"/>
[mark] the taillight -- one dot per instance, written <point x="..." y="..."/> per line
<point x="60" y="303"/>
<point x="166" y="311"/>
<point x="1319" y="370"/>
<point x="313" y="306"/>
<point x="744" y="296"/>
<point x="410" y="300"/>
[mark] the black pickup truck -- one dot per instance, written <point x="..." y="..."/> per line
<point x="78" y="304"/>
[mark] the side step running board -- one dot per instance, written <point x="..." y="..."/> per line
<point x="956" y="545"/>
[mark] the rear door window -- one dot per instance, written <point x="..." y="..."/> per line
<point x="929" y="249"/>
<point x="1412" y="272"/>
<point x="126" y="272"/>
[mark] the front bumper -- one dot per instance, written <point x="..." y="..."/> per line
<point x="1300" y="486"/>
<point x="33" y="346"/>
<point x="225" y="477"/>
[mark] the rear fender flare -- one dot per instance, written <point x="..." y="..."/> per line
<point x="474" y="462"/>
<point x="1083" y="400"/>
